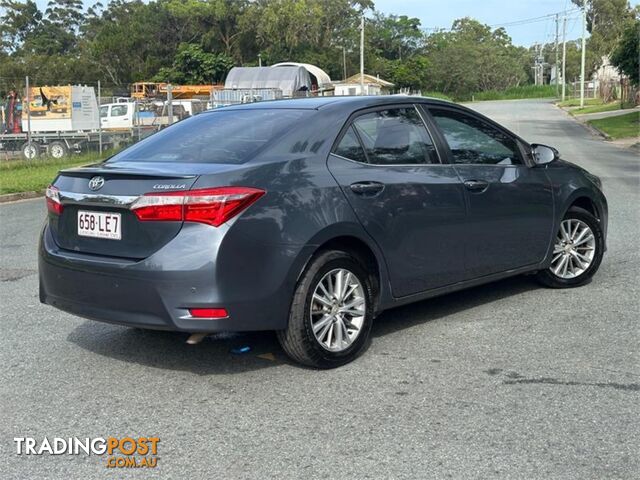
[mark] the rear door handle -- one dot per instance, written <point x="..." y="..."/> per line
<point x="476" y="185"/>
<point x="367" y="188"/>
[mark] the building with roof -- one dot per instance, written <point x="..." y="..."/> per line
<point x="372" y="86"/>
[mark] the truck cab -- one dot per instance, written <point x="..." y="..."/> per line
<point x="117" y="116"/>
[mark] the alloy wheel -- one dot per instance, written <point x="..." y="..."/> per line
<point x="338" y="309"/>
<point x="574" y="249"/>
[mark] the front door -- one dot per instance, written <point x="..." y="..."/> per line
<point x="510" y="204"/>
<point x="410" y="203"/>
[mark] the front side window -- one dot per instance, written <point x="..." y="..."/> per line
<point x="473" y="141"/>
<point x="104" y="111"/>
<point x="119" y="110"/>
<point x="395" y="136"/>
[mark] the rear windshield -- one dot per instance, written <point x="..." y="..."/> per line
<point x="217" y="137"/>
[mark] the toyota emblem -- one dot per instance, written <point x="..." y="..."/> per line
<point x="96" y="183"/>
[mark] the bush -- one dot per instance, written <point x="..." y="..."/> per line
<point x="515" y="93"/>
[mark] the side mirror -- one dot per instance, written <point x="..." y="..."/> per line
<point x="543" y="154"/>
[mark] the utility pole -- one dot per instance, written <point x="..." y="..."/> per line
<point x="29" y="115"/>
<point x="564" y="56"/>
<point x="99" y="120"/>
<point x="557" y="57"/>
<point x="362" y="55"/>
<point x="170" y="104"/>
<point x="259" y="59"/>
<point x="344" y="63"/>
<point x="584" y="51"/>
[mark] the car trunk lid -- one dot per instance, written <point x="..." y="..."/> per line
<point x="112" y="190"/>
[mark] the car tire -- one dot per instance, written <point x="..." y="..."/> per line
<point x="30" y="151"/>
<point x="57" y="150"/>
<point x="553" y="276"/>
<point x="323" y="351"/>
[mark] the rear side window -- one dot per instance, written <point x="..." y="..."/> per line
<point x="395" y="136"/>
<point x="230" y="137"/>
<point x="349" y="147"/>
<point x="473" y="141"/>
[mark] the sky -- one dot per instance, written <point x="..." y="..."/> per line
<point x="441" y="14"/>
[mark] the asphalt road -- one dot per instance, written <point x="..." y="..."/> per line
<point x="508" y="380"/>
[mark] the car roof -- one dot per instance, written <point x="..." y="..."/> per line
<point x="319" y="103"/>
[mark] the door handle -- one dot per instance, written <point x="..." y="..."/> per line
<point x="367" y="188"/>
<point x="476" y="185"/>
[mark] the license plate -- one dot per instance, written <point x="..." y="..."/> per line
<point x="99" y="225"/>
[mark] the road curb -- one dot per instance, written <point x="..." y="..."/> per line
<point x="591" y="129"/>
<point x="14" y="197"/>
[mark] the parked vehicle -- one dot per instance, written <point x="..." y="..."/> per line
<point x="63" y="120"/>
<point x="310" y="217"/>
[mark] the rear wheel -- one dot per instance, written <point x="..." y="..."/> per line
<point x="331" y="313"/>
<point x="57" y="150"/>
<point x="577" y="252"/>
<point x="30" y="150"/>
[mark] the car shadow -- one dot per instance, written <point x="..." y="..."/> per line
<point x="425" y="311"/>
<point x="219" y="354"/>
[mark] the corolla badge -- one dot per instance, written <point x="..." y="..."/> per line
<point x="96" y="183"/>
<point x="170" y="186"/>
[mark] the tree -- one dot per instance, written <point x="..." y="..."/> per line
<point x="627" y="54"/>
<point x="192" y="65"/>
<point x="472" y="57"/>
<point x="606" y="22"/>
<point x="394" y="37"/>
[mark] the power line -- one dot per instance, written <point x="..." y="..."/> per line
<point x="541" y="18"/>
<point x="515" y="23"/>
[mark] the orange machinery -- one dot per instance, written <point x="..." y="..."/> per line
<point x="143" y="90"/>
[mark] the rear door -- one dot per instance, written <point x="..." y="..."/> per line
<point x="412" y="205"/>
<point x="510" y="204"/>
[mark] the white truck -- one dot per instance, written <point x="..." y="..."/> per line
<point x="64" y="119"/>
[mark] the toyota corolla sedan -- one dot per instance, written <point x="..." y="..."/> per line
<point x="310" y="217"/>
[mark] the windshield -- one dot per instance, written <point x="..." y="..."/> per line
<point x="216" y="137"/>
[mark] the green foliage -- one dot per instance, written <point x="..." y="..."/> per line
<point x="517" y="93"/>
<point x="626" y="56"/>
<point x="186" y="41"/>
<point x="439" y="95"/>
<point x="606" y="22"/>
<point x="575" y="102"/>
<point x="620" y="126"/>
<point x="602" y="107"/>
<point x="472" y="57"/>
<point x="35" y="175"/>
<point x="192" y="65"/>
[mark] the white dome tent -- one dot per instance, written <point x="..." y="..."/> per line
<point x="322" y="79"/>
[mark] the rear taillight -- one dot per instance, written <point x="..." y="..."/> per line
<point x="52" y="195"/>
<point x="213" y="206"/>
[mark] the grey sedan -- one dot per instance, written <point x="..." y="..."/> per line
<point x="310" y="217"/>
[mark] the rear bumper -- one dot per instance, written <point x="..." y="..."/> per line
<point x="156" y="293"/>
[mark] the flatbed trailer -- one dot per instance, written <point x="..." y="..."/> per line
<point x="61" y="144"/>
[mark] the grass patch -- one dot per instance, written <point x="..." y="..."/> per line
<point x="603" y="107"/>
<point x="517" y="93"/>
<point x="621" y="126"/>
<point x="34" y="175"/>
<point x="575" y="102"/>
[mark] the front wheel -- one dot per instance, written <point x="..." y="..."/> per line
<point x="331" y="313"/>
<point x="577" y="252"/>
